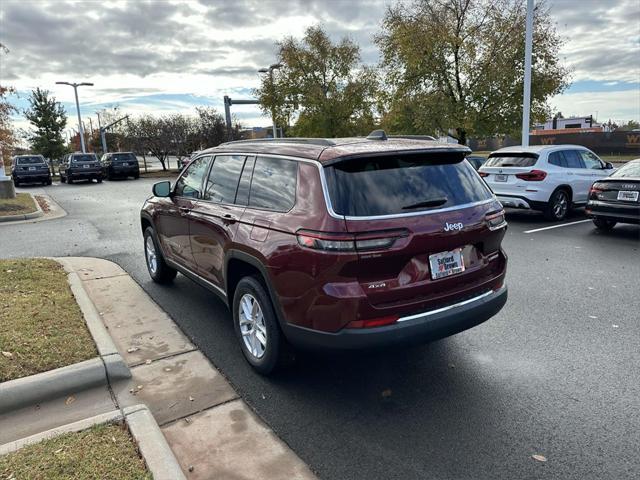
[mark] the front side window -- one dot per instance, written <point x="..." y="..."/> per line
<point x="590" y="160"/>
<point x="222" y="183"/>
<point x="400" y="184"/>
<point x="273" y="186"/>
<point x="190" y="182"/>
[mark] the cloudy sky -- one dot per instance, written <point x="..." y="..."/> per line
<point x="166" y="56"/>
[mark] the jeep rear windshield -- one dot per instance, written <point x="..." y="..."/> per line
<point x="30" y="160"/>
<point x="84" y="158"/>
<point x="511" y="160"/>
<point x="400" y="184"/>
<point x="119" y="157"/>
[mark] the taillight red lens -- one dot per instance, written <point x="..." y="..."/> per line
<point x="496" y="220"/>
<point x="373" y="322"/>
<point x="532" y="176"/>
<point x="594" y="191"/>
<point x="344" y="242"/>
<point x="483" y="174"/>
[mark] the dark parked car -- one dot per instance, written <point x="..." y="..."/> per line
<point x="120" y="164"/>
<point x="476" y="161"/>
<point x="80" y="166"/>
<point x="333" y="243"/>
<point x="616" y="199"/>
<point x="30" y="169"/>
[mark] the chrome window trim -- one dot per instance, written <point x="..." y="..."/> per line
<point x="455" y="305"/>
<point x="327" y="198"/>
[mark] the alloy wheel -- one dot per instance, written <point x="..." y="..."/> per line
<point x="561" y="205"/>
<point x="252" y="326"/>
<point x="152" y="257"/>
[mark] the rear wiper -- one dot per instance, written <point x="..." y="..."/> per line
<point x="434" y="202"/>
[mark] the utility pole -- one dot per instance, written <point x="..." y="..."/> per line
<point x="75" y="90"/>
<point x="103" y="138"/>
<point x="526" y="98"/>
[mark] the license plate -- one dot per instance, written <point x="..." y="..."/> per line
<point x="32" y="168"/>
<point x="628" y="196"/>
<point x="444" y="264"/>
<point x="85" y="166"/>
<point x="501" y="177"/>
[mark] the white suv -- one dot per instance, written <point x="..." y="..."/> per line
<point x="547" y="178"/>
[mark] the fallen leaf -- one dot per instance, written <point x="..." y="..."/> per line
<point x="593" y="316"/>
<point x="167" y="369"/>
<point x="615" y="326"/>
<point x="191" y="468"/>
<point x="113" y="439"/>
<point x="539" y="458"/>
<point x="132" y="349"/>
<point x="191" y="399"/>
<point x="148" y="361"/>
<point x="386" y="393"/>
<point x="187" y="420"/>
<point x="70" y="400"/>
<point x="59" y="450"/>
<point x="139" y="387"/>
<point x="7" y="354"/>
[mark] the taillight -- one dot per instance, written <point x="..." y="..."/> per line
<point x="483" y="174"/>
<point x="595" y="190"/>
<point x="344" y="242"/>
<point x="373" y="322"/>
<point x="496" y="220"/>
<point x="532" y="176"/>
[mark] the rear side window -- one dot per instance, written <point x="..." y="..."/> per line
<point x="190" y="183"/>
<point x="242" y="195"/>
<point x="557" y="159"/>
<point x="223" y="178"/>
<point x="400" y="184"/>
<point x="573" y="159"/>
<point x="273" y="186"/>
<point x="511" y="160"/>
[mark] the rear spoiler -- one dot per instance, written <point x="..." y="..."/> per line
<point x="455" y="154"/>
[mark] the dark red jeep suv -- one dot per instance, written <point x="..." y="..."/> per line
<point x="333" y="243"/>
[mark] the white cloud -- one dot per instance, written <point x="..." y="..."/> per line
<point x="619" y="106"/>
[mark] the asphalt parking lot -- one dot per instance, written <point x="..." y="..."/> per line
<point x="556" y="373"/>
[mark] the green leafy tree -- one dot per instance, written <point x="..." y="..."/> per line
<point x="458" y="66"/>
<point x="49" y="119"/>
<point x="321" y="85"/>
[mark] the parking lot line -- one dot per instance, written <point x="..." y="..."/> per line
<point x="556" y="226"/>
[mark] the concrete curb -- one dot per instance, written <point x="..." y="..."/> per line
<point x="153" y="447"/>
<point x="104" y="369"/>
<point x="25" y="216"/>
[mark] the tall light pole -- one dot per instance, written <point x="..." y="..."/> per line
<point x="270" y="70"/>
<point x="526" y="97"/>
<point x="75" y="90"/>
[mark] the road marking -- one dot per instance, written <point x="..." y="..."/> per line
<point x="556" y="226"/>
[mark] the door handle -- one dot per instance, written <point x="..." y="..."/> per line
<point x="228" y="218"/>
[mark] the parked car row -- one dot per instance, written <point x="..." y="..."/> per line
<point x="74" y="167"/>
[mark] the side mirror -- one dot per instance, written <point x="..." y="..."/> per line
<point x="608" y="165"/>
<point x="162" y="189"/>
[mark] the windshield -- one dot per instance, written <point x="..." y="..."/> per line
<point x="30" y="160"/>
<point x="403" y="184"/>
<point x="120" y="157"/>
<point x="631" y="169"/>
<point x="84" y="158"/>
<point x="511" y="160"/>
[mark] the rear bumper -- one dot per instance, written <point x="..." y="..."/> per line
<point x="624" y="213"/>
<point x="513" y="202"/>
<point x="82" y="174"/>
<point x="419" y="328"/>
<point x="129" y="170"/>
<point x="32" y="177"/>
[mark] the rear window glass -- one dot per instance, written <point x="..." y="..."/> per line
<point x="84" y="158"/>
<point x="30" y="160"/>
<point x="511" y="160"/>
<point x="392" y="185"/>
<point x="123" y="157"/>
<point x="631" y="169"/>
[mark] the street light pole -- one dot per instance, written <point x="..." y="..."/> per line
<point x="526" y="100"/>
<point x="270" y="70"/>
<point x="75" y="91"/>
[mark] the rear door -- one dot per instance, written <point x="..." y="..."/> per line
<point x="409" y="211"/>
<point x="214" y="217"/>
<point x="581" y="179"/>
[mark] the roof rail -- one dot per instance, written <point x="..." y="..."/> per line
<point x="299" y="140"/>
<point x="415" y="137"/>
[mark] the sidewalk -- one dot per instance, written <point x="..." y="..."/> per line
<point x="209" y="428"/>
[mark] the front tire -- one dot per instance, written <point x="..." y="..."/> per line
<point x="558" y="206"/>
<point x="99" y="179"/>
<point x="256" y="326"/>
<point x="604" y="224"/>
<point x="158" y="269"/>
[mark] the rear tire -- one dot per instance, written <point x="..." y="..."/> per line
<point x="99" y="180"/>
<point x="69" y="180"/>
<point x="604" y="224"/>
<point x="158" y="269"/>
<point x="558" y="206"/>
<point x="62" y="179"/>
<point x="49" y="182"/>
<point x="261" y="341"/>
